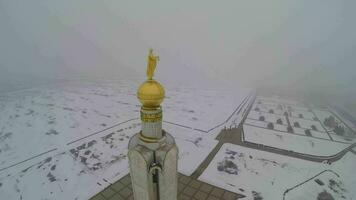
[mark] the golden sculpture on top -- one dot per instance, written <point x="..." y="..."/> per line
<point x="151" y="92"/>
<point x="151" y="64"/>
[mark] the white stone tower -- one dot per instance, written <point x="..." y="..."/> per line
<point x="153" y="154"/>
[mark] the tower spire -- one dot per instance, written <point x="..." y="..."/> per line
<point x="151" y="94"/>
<point x="153" y="154"/>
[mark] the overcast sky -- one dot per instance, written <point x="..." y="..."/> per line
<point x="310" y="43"/>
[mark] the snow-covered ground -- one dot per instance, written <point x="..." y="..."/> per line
<point x="304" y="114"/>
<point x="308" y="136"/>
<point x="346" y="117"/>
<point x="194" y="146"/>
<point x="316" y="134"/>
<point x="345" y="139"/>
<point x="86" y="167"/>
<point x="280" y="100"/>
<point x="348" y="137"/>
<point x="265" y="107"/>
<point x="340" y="182"/>
<point x="263" y="124"/>
<point x="235" y="119"/>
<point x="292" y="142"/>
<point x="268" y="116"/>
<point x="100" y="160"/>
<point x="40" y="119"/>
<point x="199" y="108"/>
<point x="307" y="124"/>
<point x="58" y="177"/>
<point x="85" y="127"/>
<point x="255" y="173"/>
<point x="36" y="120"/>
<point x="322" y="186"/>
<point x="322" y="115"/>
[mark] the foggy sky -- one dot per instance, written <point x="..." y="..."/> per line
<point x="300" y="43"/>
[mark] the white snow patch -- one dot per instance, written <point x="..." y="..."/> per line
<point x="257" y="173"/>
<point x="292" y="142"/>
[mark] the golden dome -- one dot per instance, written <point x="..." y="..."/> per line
<point x="150" y="93"/>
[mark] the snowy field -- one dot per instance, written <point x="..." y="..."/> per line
<point x="194" y="146"/>
<point x="278" y="99"/>
<point x="315" y="134"/>
<point x="307" y="135"/>
<point x="262" y="175"/>
<point x="36" y="120"/>
<point x="39" y="119"/>
<point x="346" y="117"/>
<point x="324" y="185"/>
<point x="263" y="124"/>
<point x="199" y="108"/>
<point x="99" y="160"/>
<point x="348" y="137"/>
<point x="303" y="114"/>
<point x="340" y="182"/>
<point x="322" y="115"/>
<point x="86" y="127"/>
<point x="345" y="139"/>
<point x="268" y="117"/>
<point x="307" y="124"/>
<point x="235" y="119"/>
<point x="265" y="107"/>
<point x="292" y="142"/>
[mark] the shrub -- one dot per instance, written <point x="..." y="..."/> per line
<point x="296" y="124"/>
<point x="290" y="129"/>
<point x="257" y="109"/>
<point x="262" y="118"/>
<point x="279" y="121"/>
<point x="325" y="196"/>
<point x="313" y="127"/>
<point x="330" y="122"/>
<point x="300" y="115"/>
<point x="308" y="133"/>
<point x="270" y="125"/>
<point x="271" y="111"/>
<point x="339" y="130"/>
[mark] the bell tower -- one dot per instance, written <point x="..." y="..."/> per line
<point x="153" y="154"/>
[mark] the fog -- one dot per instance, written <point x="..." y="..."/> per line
<point x="295" y="44"/>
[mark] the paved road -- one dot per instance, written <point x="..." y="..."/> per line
<point x="226" y="136"/>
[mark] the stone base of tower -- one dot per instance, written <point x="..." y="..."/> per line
<point x="153" y="168"/>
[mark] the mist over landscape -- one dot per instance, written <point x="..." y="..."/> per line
<point x="303" y="44"/>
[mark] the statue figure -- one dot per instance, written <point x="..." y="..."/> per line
<point x="151" y="64"/>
